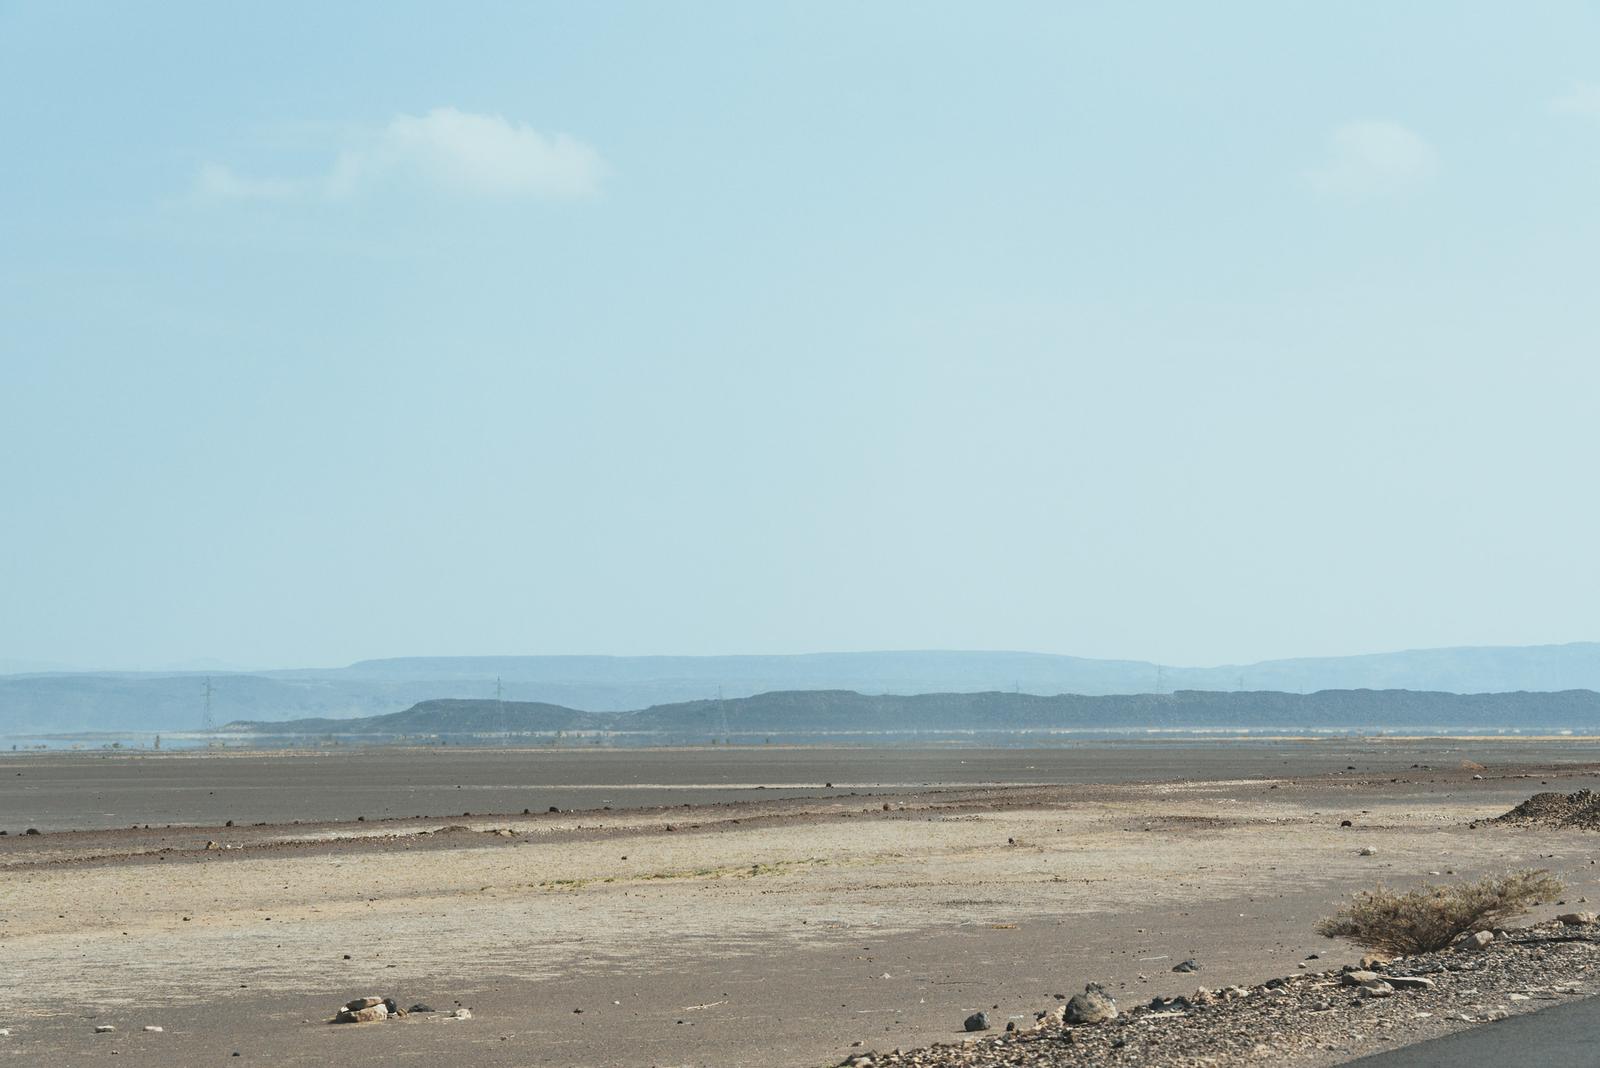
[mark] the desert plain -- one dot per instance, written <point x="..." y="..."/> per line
<point x="763" y="906"/>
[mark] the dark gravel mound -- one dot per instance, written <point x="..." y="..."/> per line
<point x="1580" y="810"/>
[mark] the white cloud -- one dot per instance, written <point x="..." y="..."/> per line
<point x="219" y="182"/>
<point x="445" y="148"/>
<point x="1582" y="99"/>
<point x="1373" y="157"/>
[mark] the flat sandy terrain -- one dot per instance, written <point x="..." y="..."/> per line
<point x="750" y="932"/>
<point x="63" y="791"/>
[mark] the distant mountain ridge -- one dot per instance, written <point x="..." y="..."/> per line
<point x="793" y="715"/>
<point x="63" y="701"/>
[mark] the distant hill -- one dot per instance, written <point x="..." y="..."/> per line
<point x="59" y="701"/>
<point x="844" y="714"/>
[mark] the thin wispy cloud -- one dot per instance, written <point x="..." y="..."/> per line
<point x="1583" y="98"/>
<point x="1372" y="158"/>
<point x="446" y="149"/>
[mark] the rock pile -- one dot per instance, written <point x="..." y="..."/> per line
<point x="371" y="1009"/>
<point x="1580" y="810"/>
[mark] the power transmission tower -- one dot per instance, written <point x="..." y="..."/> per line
<point x="207" y="724"/>
<point x="499" y="698"/>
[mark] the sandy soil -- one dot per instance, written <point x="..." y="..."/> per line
<point x="750" y="933"/>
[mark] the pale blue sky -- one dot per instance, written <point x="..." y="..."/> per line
<point x="1197" y="333"/>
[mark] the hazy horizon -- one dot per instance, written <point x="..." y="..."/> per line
<point x="201" y="666"/>
<point x="1234" y="334"/>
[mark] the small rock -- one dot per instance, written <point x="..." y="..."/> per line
<point x="1367" y="851"/>
<point x="369" y="1014"/>
<point x="1476" y="940"/>
<point x="1372" y="961"/>
<point x="213" y="845"/>
<point x="1376" y="989"/>
<point x="1357" y="976"/>
<point x="101" y="1029"/>
<point x="1408" y="982"/>
<point x="154" y="1029"/>
<point x="1576" y="919"/>
<point x="461" y="1014"/>
<point x="1091" y="1007"/>
<point x="978" y="1021"/>
<point x="420" y="1007"/>
<point x="1186" y="966"/>
<point x="362" y="1003"/>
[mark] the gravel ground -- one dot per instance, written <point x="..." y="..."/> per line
<point x="1311" y="1018"/>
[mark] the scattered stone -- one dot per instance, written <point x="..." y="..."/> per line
<point x="31" y="830"/>
<point x="1356" y="977"/>
<point x="1367" y="851"/>
<point x="1377" y="988"/>
<point x="357" y="1004"/>
<point x="154" y="1029"/>
<point x="1409" y="982"/>
<point x="421" y="1007"/>
<point x="461" y="1014"/>
<point x="1576" y="919"/>
<point x="213" y="845"/>
<point x="101" y="1029"/>
<point x="978" y="1021"/>
<point x="1476" y="940"/>
<point x="1374" y="961"/>
<point x="1189" y="965"/>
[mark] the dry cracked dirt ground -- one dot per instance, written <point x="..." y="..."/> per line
<point x="792" y="932"/>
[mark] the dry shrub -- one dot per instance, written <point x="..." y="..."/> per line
<point x="1433" y="916"/>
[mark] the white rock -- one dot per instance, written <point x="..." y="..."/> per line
<point x="154" y="1029"/>
<point x="101" y="1029"/>
<point x="461" y="1014"/>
